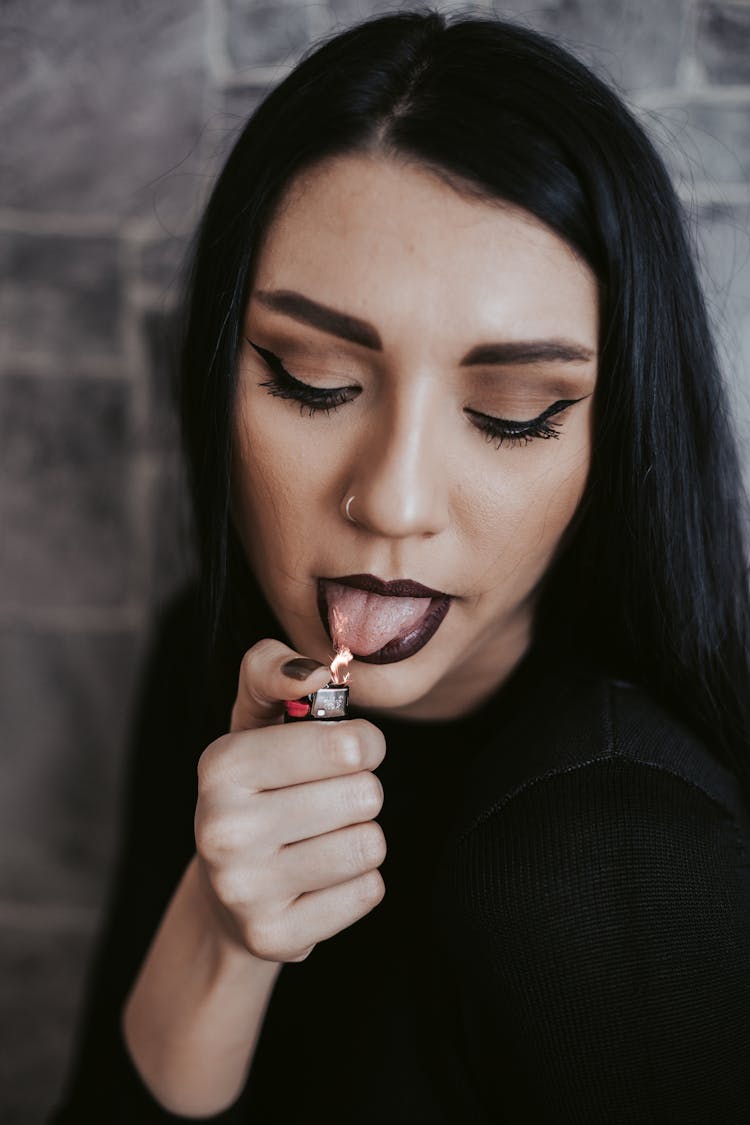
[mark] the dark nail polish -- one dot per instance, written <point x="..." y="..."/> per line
<point x="300" y="668"/>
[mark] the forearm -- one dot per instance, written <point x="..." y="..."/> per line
<point x="192" y="1019"/>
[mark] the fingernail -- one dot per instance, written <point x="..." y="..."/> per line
<point x="300" y="668"/>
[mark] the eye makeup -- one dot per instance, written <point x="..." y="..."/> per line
<point x="506" y="431"/>
<point x="314" y="400"/>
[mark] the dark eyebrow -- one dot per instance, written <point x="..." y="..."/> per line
<point x="527" y="351"/>
<point x="357" y="331"/>
<point x="321" y="316"/>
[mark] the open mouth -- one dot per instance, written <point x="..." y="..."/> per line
<point x="380" y="622"/>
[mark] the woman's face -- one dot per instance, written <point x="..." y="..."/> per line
<point x="415" y="318"/>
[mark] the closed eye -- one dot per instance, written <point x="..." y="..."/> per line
<point x="316" y="400"/>
<point x="512" y="432"/>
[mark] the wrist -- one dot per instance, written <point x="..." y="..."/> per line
<point x="194" y="1013"/>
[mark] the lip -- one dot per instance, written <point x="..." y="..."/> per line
<point x="400" y="648"/>
<point x="397" y="588"/>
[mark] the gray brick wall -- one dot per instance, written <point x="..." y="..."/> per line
<point x="114" y="118"/>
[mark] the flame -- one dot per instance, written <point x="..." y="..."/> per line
<point x="341" y="659"/>
<point x="343" y="653"/>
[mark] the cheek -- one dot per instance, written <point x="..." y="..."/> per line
<point x="521" y="512"/>
<point x="265" y="486"/>
<point x="282" y="475"/>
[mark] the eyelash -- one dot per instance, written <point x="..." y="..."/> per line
<point x="313" y="400"/>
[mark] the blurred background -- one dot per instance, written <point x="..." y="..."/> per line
<point x="114" y="119"/>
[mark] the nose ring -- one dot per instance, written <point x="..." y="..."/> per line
<point x="347" y="512"/>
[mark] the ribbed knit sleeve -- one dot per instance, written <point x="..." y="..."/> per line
<point x="602" y="914"/>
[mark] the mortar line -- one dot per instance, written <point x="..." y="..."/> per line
<point x="46" y="365"/>
<point x="130" y="617"/>
<point x="218" y="65"/>
<point x="58" y="223"/>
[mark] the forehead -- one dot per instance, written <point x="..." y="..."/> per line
<point x="394" y="243"/>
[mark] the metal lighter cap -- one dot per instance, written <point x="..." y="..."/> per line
<point x="327" y="704"/>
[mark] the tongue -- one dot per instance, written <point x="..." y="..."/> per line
<point x="366" y="622"/>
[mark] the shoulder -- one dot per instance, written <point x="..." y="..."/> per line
<point x="607" y="816"/>
<point x="592" y="913"/>
<point x="576" y="730"/>
<point x="593" y="784"/>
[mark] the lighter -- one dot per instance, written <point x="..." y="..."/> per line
<point x="327" y="704"/>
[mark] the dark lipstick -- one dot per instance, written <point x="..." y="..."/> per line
<point x="400" y="648"/>
<point x="397" y="588"/>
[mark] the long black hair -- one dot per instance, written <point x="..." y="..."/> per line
<point x="650" y="579"/>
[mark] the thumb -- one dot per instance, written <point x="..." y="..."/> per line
<point x="270" y="673"/>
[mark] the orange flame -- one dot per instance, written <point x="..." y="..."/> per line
<point x="341" y="659"/>
<point x="343" y="654"/>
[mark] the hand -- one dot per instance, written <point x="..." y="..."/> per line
<point x="284" y="826"/>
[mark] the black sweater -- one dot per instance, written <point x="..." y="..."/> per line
<point x="565" y="934"/>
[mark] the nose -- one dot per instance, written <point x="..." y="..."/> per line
<point x="400" y="472"/>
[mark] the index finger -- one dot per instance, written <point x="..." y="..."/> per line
<point x="263" y="686"/>
<point x="280" y="757"/>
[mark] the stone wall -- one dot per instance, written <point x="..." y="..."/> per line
<point x="114" y="118"/>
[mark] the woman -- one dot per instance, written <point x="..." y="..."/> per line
<point x="449" y="399"/>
